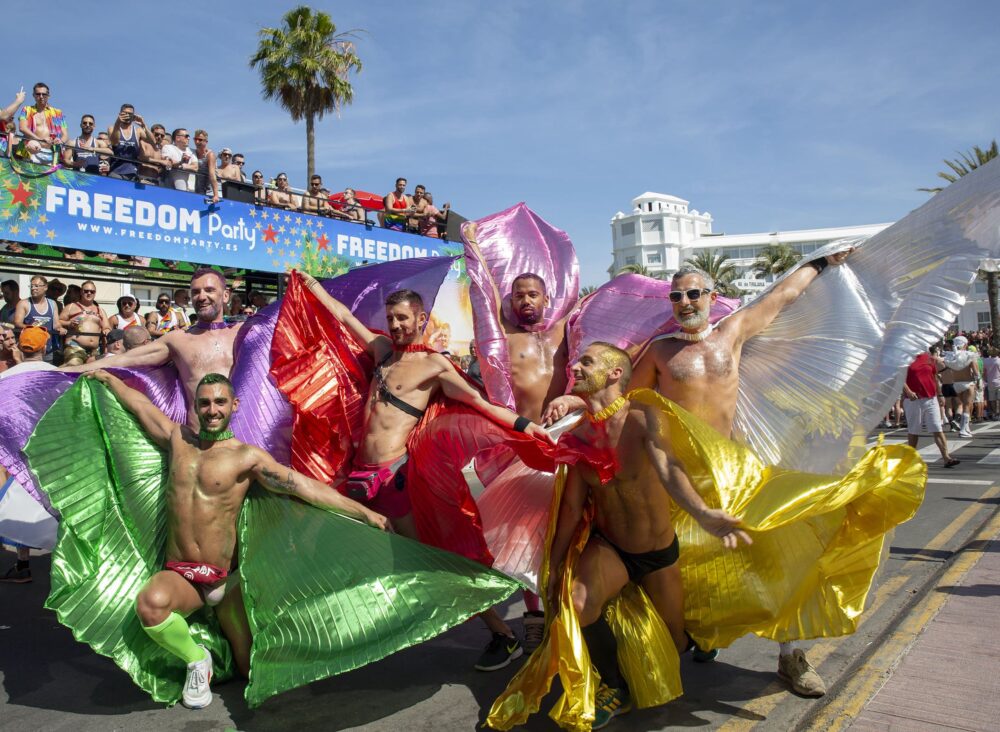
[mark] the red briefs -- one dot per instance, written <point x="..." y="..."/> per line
<point x="380" y="487"/>
<point x="197" y="573"/>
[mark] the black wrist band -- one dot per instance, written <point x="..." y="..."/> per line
<point x="521" y="424"/>
<point x="819" y="264"/>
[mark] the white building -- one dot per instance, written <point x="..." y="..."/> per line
<point x="661" y="232"/>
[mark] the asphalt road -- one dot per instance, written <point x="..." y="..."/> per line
<point x="48" y="681"/>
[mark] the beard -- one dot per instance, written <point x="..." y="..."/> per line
<point x="530" y="316"/>
<point x="695" y="321"/>
<point x="209" y="313"/>
<point x="590" y="384"/>
<point x="404" y="337"/>
<point x="221" y="427"/>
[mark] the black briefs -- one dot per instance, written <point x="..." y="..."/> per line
<point x="639" y="565"/>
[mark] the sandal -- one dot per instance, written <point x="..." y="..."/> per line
<point x="952" y="463"/>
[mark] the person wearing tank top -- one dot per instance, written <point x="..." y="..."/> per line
<point x="41" y="311"/>
<point x="126" y="316"/>
<point x="83" y="154"/>
<point x="125" y="143"/>
<point x="207" y="182"/>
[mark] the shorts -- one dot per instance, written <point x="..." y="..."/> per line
<point x="948" y="390"/>
<point x="923" y="416"/>
<point x="993" y="392"/>
<point x="639" y="565"/>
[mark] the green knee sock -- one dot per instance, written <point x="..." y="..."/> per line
<point x="174" y="635"/>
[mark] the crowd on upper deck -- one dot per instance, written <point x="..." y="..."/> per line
<point x="131" y="150"/>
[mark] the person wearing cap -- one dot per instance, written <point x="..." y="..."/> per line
<point x="228" y="169"/>
<point x="115" y="342"/>
<point x="126" y="315"/>
<point x="31" y="346"/>
<point x="964" y="367"/>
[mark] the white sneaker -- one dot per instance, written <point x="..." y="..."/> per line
<point x="197" y="693"/>
<point x="966" y="433"/>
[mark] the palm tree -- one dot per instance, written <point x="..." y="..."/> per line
<point x="584" y="291"/>
<point x="640" y="269"/>
<point x="961" y="167"/>
<point x="720" y="269"/>
<point x="305" y="66"/>
<point x="774" y="260"/>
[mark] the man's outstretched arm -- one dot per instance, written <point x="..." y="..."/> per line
<point x="342" y="313"/>
<point x="471" y="232"/>
<point x="280" y="479"/>
<point x="154" y="353"/>
<point x="752" y="319"/>
<point x="154" y="423"/>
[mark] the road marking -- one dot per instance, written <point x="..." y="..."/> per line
<point x="992" y="458"/>
<point x="932" y="449"/>
<point x="771" y="695"/>
<point x="866" y="681"/>
<point x="959" y="481"/>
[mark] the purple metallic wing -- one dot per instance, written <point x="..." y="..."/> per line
<point x="513" y="242"/>
<point x="628" y="311"/>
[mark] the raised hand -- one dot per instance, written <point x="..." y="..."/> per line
<point x="725" y="526"/>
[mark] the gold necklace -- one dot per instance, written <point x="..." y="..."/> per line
<point x="607" y="412"/>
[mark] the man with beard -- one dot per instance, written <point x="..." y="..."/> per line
<point x="697" y="367"/>
<point x="206" y="347"/>
<point x="407" y="376"/>
<point x="210" y="474"/>
<point x="632" y="537"/>
<point x="538" y="361"/>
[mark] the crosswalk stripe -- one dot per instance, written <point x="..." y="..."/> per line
<point x="992" y="458"/>
<point x="960" y="481"/>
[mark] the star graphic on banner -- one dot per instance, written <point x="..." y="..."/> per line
<point x="323" y="242"/>
<point x="21" y="194"/>
<point x="281" y="229"/>
<point x="319" y="224"/>
<point x="35" y="203"/>
<point x="50" y="234"/>
<point x="34" y="232"/>
<point x="15" y="229"/>
<point x="270" y="234"/>
<point x="298" y="243"/>
<point x="295" y="232"/>
<point x="24" y="216"/>
<point x="5" y="214"/>
<point x="309" y="223"/>
<point x="258" y="226"/>
<point x="270" y="250"/>
<point x="275" y="263"/>
<point x="253" y="212"/>
<point x="287" y="241"/>
<point x="264" y="215"/>
<point x="43" y="219"/>
<point x="298" y="219"/>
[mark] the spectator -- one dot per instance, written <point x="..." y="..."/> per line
<point x="83" y="153"/>
<point x="115" y="342"/>
<point x="39" y="310"/>
<point x="180" y="161"/>
<point x="42" y="126"/>
<point x="87" y="305"/>
<point x="314" y="202"/>
<point x="152" y="163"/>
<point x="353" y="211"/>
<point x="417" y="214"/>
<point x="399" y="204"/>
<point x="239" y="162"/>
<point x="8" y="347"/>
<point x="433" y="217"/>
<point x="7" y="126"/>
<point x="258" y="301"/>
<point x="165" y="318"/>
<point x="259" y="191"/>
<point x="126" y="136"/>
<point x="923" y="416"/>
<point x="991" y="379"/>
<point x="126" y="315"/>
<point x="235" y="304"/>
<point x="206" y="184"/>
<point x="182" y="304"/>
<point x="281" y="195"/>
<point x="135" y="336"/>
<point x="85" y="322"/>
<point x="54" y="291"/>
<point x="72" y="295"/>
<point x="11" y="297"/>
<point x="104" y="161"/>
<point x="228" y="169"/>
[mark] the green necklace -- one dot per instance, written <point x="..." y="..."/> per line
<point x="215" y="436"/>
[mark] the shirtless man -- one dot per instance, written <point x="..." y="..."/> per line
<point x="206" y="347"/>
<point x="281" y="195"/>
<point x="314" y="202"/>
<point x="85" y="322"/>
<point x="42" y="126"/>
<point x="963" y="370"/>
<point x="228" y="169"/>
<point x="633" y="537"/>
<point x="210" y="473"/>
<point x="538" y="360"/>
<point x="407" y="376"/>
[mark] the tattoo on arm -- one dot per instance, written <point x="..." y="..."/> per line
<point x="274" y="481"/>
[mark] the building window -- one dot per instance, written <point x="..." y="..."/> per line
<point x="628" y="229"/>
<point x="629" y="260"/>
<point x="652" y="226"/>
<point x="980" y="287"/>
<point x="983" y="320"/>
<point x="144" y="296"/>
<point x="654" y="258"/>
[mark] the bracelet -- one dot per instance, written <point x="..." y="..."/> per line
<point x="818" y="264"/>
<point x="521" y="424"/>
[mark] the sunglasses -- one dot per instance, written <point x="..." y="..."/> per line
<point x="89" y="292"/>
<point x="41" y="94"/>
<point x="282" y="180"/>
<point x="692" y="295"/>
<point x="238" y="162"/>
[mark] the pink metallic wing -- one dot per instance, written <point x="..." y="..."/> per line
<point x="513" y="242"/>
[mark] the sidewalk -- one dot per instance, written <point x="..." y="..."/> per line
<point x="948" y="676"/>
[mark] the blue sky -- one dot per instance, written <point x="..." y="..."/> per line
<point x="769" y="115"/>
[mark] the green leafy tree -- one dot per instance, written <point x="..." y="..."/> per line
<point x="720" y="269"/>
<point x="589" y="289"/>
<point x="305" y="65"/>
<point x="640" y="269"/>
<point x="775" y="260"/>
<point x="960" y="167"/>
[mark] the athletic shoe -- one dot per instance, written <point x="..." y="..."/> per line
<point x="499" y="653"/>
<point x="953" y="424"/>
<point x="796" y="670"/>
<point x="534" y="630"/>
<point x="197" y="694"/>
<point x="609" y="704"/>
<point x="697" y="654"/>
<point x="17" y="576"/>
<point x="966" y="433"/>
